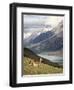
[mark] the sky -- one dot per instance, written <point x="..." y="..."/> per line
<point x="39" y="23"/>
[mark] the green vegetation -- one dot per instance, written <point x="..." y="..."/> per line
<point x="29" y="69"/>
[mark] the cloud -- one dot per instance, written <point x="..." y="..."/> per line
<point x="33" y="19"/>
<point x="36" y="23"/>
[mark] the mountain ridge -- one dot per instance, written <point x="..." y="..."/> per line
<point x="47" y="41"/>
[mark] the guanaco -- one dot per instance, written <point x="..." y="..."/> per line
<point x="35" y="63"/>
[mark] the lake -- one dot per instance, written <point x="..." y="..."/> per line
<point x="55" y="59"/>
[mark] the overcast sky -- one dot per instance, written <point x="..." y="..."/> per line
<point x="37" y="23"/>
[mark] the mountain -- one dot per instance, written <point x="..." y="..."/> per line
<point x="46" y="41"/>
<point x="31" y="38"/>
<point x="42" y="37"/>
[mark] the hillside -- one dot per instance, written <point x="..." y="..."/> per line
<point x="30" y="54"/>
<point x="42" y="69"/>
<point x="46" y="67"/>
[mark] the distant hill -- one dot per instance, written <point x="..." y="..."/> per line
<point x="30" y="54"/>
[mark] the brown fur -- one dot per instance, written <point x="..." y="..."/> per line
<point x="35" y="63"/>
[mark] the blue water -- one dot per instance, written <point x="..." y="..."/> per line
<point x="55" y="59"/>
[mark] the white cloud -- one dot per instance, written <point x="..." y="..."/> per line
<point x="37" y="23"/>
<point x="26" y="35"/>
<point x="54" y="20"/>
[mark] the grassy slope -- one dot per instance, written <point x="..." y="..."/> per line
<point x="42" y="69"/>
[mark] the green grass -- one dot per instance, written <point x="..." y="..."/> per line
<point x="42" y="69"/>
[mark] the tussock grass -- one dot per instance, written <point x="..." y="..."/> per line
<point x="41" y="69"/>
